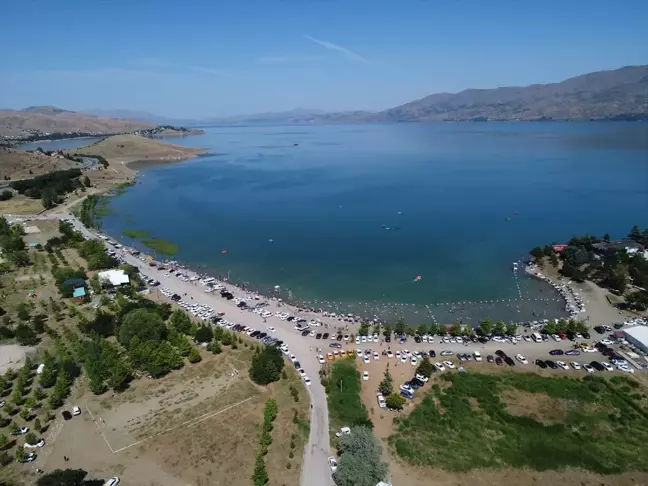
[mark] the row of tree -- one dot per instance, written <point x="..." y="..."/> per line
<point x="12" y="245"/>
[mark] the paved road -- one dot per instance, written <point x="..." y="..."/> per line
<point x="315" y="469"/>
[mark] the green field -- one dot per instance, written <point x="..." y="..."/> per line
<point x="161" y="246"/>
<point x="527" y="421"/>
<point x="343" y="395"/>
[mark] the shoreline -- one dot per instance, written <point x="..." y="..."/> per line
<point x="347" y="312"/>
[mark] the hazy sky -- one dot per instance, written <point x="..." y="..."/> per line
<point x="220" y="57"/>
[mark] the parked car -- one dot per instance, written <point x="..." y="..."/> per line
<point x="588" y="368"/>
<point x="597" y="366"/>
<point x="556" y="352"/>
<point x="551" y="364"/>
<point x="38" y="444"/>
<point x="29" y="457"/>
<point x="365" y="376"/>
<point x="562" y="364"/>
<point x="490" y="358"/>
<point x="576" y="365"/>
<point x="498" y="361"/>
<point x="112" y="481"/>
<point x="20" y="431"/>
<point x="541" y="363"/>
<point x="521" y="359"/>
<point x="446" y="353"/>
<point x="66" y="415"/>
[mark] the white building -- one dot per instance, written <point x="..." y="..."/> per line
<point x="114" y="278"/>
<point x="637" y="336"/>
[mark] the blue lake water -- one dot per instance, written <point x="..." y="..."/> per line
<point x="462" y="201"/>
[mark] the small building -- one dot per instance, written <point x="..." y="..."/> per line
<point x="559" y="248"/>
<point x="638" y="337"/>
<point x="114" y="278"/>
<point x="79" y="294"/>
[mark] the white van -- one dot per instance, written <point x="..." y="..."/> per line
<point x="477" y="355"/>
<point x="536" y="337"/>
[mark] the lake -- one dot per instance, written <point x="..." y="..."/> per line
<point x="350" y="216"/>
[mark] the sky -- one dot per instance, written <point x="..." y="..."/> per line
<point x="215" y="58"/>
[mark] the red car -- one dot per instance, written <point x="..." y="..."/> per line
<point x="562" y="335"/>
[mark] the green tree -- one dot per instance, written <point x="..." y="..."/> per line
<point x="386" y="386"/>
<point x="145" y="324"/>
<point x="537" y="253"/>
<point x="259" y="475"/>
<point x="500" y="328"/>
<point x="31" y="438"/>
<point x="25" y="335"/>
<point x="50" y="370"/>
<point x="387" y="330"/>
<point x="3" y="441"/>
<point x="511" y="329"/>
<point x="637" y="300"/>
<point x="180" y="321"/>
<point x="399" y="328"/>
<point x="194" y="355"/>
<point x="204" y="334"/>
<point x="485" y="327"/>
<point x="266" y="366"/>
<point x="395" y="401"/>
<point x="95" y="284"/>
<point x="360" y="461"/>
<point x="635" y="234"/>
<point x="425" y="368"/>
<point x="455" y="330"/>
<point x="37" y="425"/>
<point x="22" y="312"/>
<point x="422" y="329"/>
<point x="64" y="477"/>
<point x="119" y="377"/>
<point x="215" y="347"/>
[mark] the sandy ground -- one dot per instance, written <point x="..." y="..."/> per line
<point x="197" y="426"/>
<point x="598" y="308"/>
<point x="17" y="164"/>
<point x="13" y="356"/>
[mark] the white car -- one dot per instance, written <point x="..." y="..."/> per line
<point x="293" y="358"/>
<point x="366" y="359"/>
<point x="413" y="361"/>
<point x="343" y="431"/>
<point x="449" y="364"/>
<point x="588" y="349"/>
<point x="607" y="366"/>
<point x="320" y="358"/>
<point x="398" y="354"/>
<point x="562" y="364"/>
<point x="521" y="359"/>
<point x="40" y="443"/>
<point x="625" y="368"/>
<point x="332" y="463"/>
<point x="307" y="381"/>
<point x="381" y="401"/>
<point x="76" y="410"/>
<point x="576" y="365"/>
<point x="375" y="356"/>
<point x="422" y="378"/>
<point x="607" y="342"/>
<point x="2" y="403"/>
<point x="363" y="339"/>
<point x="588" y="368"/>
<point x="359" y="353"/>
<point x="439" y="366"/>
<point x="390" y="354"/>
<point x="498" y="339"/>
<point x="407" y="388"/>
<point x="404" y="358"/>
<point x="112" y="481"/>
<point x="365" y="376"/>
<point x="272" y="329"/>
<point x="301" y="372"/>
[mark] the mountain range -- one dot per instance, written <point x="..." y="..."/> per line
<point x="615" y="94"/>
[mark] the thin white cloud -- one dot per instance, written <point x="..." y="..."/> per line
<point x="286" y="59"/>
<point x="335" y="47"/>
<point x="156" y="63"/>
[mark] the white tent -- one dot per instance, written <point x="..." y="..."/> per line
<point x="114" y="277"/>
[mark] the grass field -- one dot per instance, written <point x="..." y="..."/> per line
<point x="133" y="233"/>
<point x="343" y="396"/>
<point x="524" y="420"/>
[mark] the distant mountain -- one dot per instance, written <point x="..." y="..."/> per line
<point x="49" y="119"/>
<point x="297" y="116"/>
<point x="622" y="93"/>
<point x="141" y="116"/>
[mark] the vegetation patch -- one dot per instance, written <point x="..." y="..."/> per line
<point x="161" y="246"/>
<point x="343" y="395"/>
<point x="453" y="435"/>
<point x="136" y="234"/>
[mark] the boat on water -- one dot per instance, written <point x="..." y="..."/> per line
<point x="515" y="266"/>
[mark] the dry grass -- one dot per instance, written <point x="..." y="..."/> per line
<point x="131" y="148"/>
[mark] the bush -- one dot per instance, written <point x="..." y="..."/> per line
<point x="194" y="356"/>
